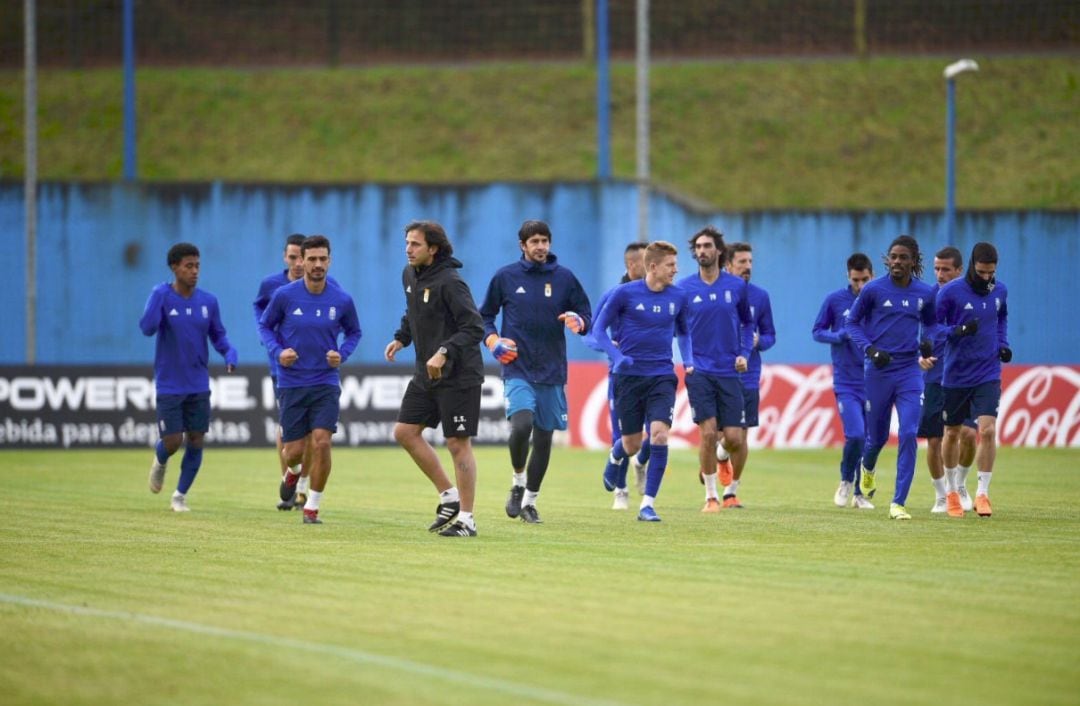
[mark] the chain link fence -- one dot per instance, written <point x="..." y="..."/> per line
<point x="87" y="33"/>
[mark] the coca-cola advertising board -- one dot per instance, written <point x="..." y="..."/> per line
<point x="1040" y="406"/>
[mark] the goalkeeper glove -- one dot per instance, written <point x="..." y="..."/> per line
<point x="573" y="321"/>
<point x="504" y="350"/>
<point x="1005" y="354"/>
<point x="968" y="328"/>
<point x="878" y="357"/>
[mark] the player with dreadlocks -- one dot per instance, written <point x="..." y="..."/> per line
<point x="883" y="322"/>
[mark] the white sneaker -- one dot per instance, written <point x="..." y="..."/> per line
<point x="622" y="499"/>
<point x="862" y="502"/>
<point x="843" y="494"/>
<point x="157" y="475"/>
<point x="965" y="500"/>
<point x="640" y="471"/>
<point x="940" y="506"/>
<point x="179" y="503"/>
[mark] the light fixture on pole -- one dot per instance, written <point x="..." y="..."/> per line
<point x="951" y="72"/>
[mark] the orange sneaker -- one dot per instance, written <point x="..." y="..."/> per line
<point x="725" y="472"/>
<point x="730" y="501"/>
<point x="953" y="505"/>
<point x="712" y="505"/>
<point x="982" y="505"/>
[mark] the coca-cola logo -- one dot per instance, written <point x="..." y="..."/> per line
<point x="1040" y="406"/>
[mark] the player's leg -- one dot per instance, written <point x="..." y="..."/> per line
<point x="660" y="406"/>
<point x="419" y="411"/>
<point x="879" y="401"/>
<point x="932" y="429"/>
<point x="551" y="414"/>
<point x="630" y="405"/>
<point x="460" y="417"/>
<point x="985" y="403"/>
<point x="170" y="423"/>
<point x="703" y="405"/>
<point x="520" y="409"/>
<point x="195" y="411"/>
<point x="955" y="409"/>
<point x="730" y="413"/>
<point x="852" y="417"/>
<point x="908" y="402"/>
<point x="968" y="443"/>
<point x="621" y="498"/>
<point x="295" y="425"/>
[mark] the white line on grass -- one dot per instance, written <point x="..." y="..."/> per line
<point x="404" y="665"/>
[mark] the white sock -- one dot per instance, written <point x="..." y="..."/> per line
<point x="950" y="480"/>
<point x="939" y="486"/>
<point x="519" y="479"/>
<point x="177" y="495"/>
<point x="647" y="501"/>
<point x="313" y="500"/>
<point x="732" y="489"/>
<point x="961" y="475"/>
<point x="530" y="498"/>
<point x="466" y="519"/>
<point x="984" y="483"/>
<point x="710" y="485"/>
<point x="303" y="485"/>
<point x="637" y="459"/>
<point x="295" y="469"/>
<point x="450" y="495"/>
<point x="721" y="453"/>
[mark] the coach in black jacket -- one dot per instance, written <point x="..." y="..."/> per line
<point x="442" y="320"/>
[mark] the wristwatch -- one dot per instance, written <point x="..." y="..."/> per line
<point x="442" y="349"/>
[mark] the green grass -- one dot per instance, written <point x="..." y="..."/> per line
<point x="736" y="134"/>
<point x="107" y="597"/>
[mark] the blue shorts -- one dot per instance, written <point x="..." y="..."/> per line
<point x="971" y="402"/>
<point x="751" y="400"/>
<point x="546" y="402"/>
<point x="306" y="408"/>
<point x="931" y="425"/>
<point x="716" y="397"/>
<point x="640" y="397"/>
<point x="180" y="413"/>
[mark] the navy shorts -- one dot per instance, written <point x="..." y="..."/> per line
<point x="456" y="408"/>
<point x="180" y="413"/>
<point x="971" y="402"/>
<point x="306" y="408"/>
<point x="641" y="397"/>
<point x="716" y="397"/>
<point x="751" y="401"/>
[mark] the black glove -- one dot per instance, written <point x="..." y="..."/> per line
<point x="878" y="357"/>
<point x="1005" y="355"/>
<point x="926" y="348"/>
<point x="968" y="328"/>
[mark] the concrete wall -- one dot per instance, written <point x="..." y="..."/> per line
<point x="101" y="247"/>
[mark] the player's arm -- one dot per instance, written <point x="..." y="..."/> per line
<point x="262" y="299"/>
<point x="154" y="311"/>
<point x="578" y="316"/>
<point x="823" y="326"/>
<point x="766" y="329"/>
<point x="269" y="323"/>
<point x="1004" y="350"/>
<point x="854" y="323"/>
<point x="219" y="339"/>
<point x="600" y="335"/>
<point x="350" y="326"/>
<point x="490" y="308"/>
<point x="684" y="339"/>
<point x="470" y="327"/>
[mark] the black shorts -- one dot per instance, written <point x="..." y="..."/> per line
<point x="456" y="408"/>
<point x="971" y="402"/>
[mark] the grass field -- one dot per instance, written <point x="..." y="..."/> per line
<point x="839" y="133"/>
<point x="107" y="597"/>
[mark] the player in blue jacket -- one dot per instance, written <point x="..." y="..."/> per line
<point x="183" y="317"/>
<point x="884" y="323"/>
<point x="634" y="259"/>
<point x="648" y="314"/>
<point x="721" y="328"/>
<point x="948" y="265"/>
<point x="975" y="312"/>
<point x="740" y="263"/>
<point x="848" y="383"/>
<point x="301" y="328"/>
<point x="538" y="298"/>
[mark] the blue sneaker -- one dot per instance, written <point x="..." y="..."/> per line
<point x="611" y="474"/>
<point x="647" y="514"/>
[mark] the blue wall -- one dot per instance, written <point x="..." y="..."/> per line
<point x="101" y="247"/>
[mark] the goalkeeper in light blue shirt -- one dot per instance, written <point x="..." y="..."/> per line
<point x="183" y="317"/>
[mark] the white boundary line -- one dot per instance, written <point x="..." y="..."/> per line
<point x="346" y="653"/>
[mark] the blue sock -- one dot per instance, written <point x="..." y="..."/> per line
<point x="646" y="449"/>
<point x="159" y="451"/>
<point x="620" y="477"/>
<point x="869" y="459"/>
<point x="617" y="451"/>
<point x="657" y="466"/>
<point x="849" y="461"/>
<point x="189" y="468"/>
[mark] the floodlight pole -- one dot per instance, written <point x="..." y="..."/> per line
<point x="30" y="176"/>
<point x="603" y="93"/>
<point x="643" y="118"/>
<point x="130" y="158"/>
<point x="951" y="72"/>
